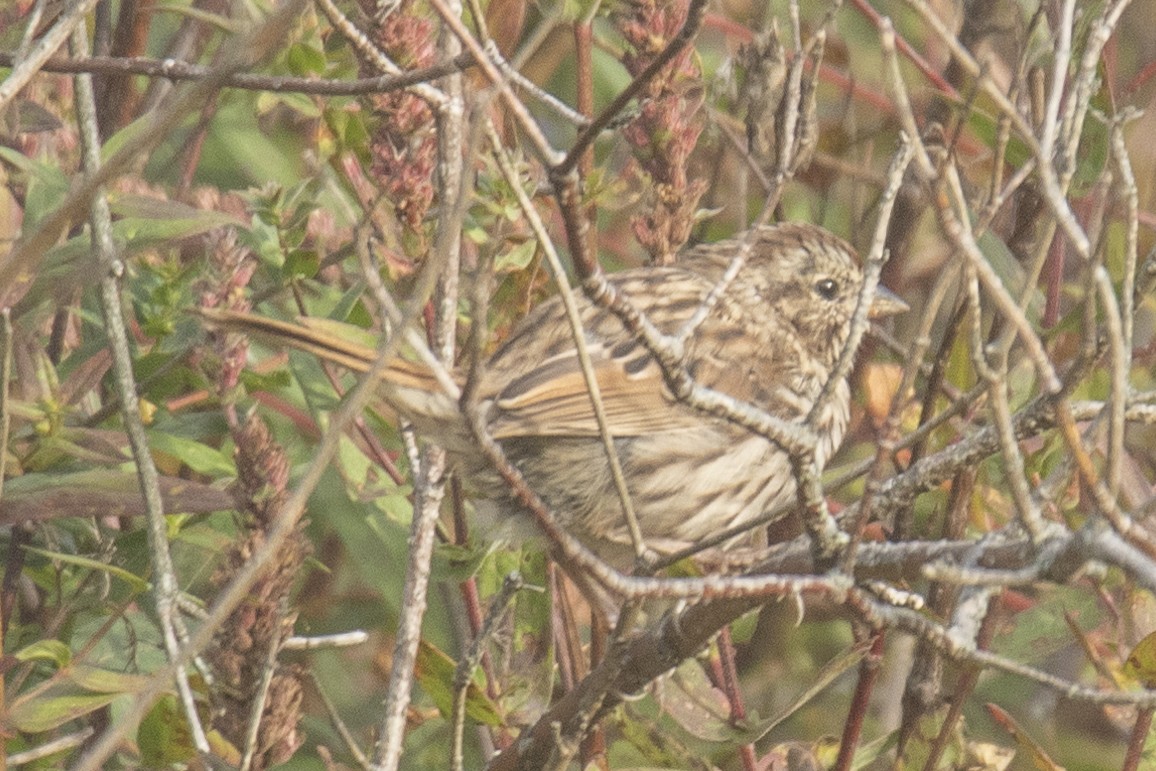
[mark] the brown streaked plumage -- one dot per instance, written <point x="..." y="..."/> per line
<point x="772" y="339"/>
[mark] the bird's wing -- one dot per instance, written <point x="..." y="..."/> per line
<point x="540" y="390"/>
<point x="554" y="398"/>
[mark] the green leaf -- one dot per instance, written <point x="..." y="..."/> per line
<point x="31" y="118"/>
<point x="350" y="307"/>
<point x="305" y="59"/>
<point x="19" y="160"/>
<point x="344" y="331"/>
<point x="530" y="648"/>
<point x="372" y="540"/>
<point x="220" y="21"/>
<point x="300" y="103"/>
<point x="142" y="207"/>
<point x="518" y="258"/>
<point x="100" y="492"/>
<point x="126" y="136"/>
<point x="150" y="225"/>
<point x="435" y="672"/>
<point x="272" y="381"/>
<point x="986" y="128"/>
<point x="163" y="735"/>
<point x="47" y="185"/>
<point x="1141" y="663"/>
<point x="1009" y="270"/>
<point x="229" y="154"/>
<point x="452" y="562"/>
<point x="1092" y="155"/>
<point x="301" y="263"/>
<point x="827" y="675"/>
<point x="1041" y="630"/>
<point x="135" y="582"/>
<point x="349" y="129"/>
<point x="46" y="713"/>
<point x="397" y="505"/>
<point x="106" y="680"/>
<point x="697" y="706"/>
<point x="45" y="650"/>
<point x="196" y="455"/>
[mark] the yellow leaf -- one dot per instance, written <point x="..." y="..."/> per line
<point x="1141" y="662"/>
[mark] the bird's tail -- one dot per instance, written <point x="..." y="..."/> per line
<point x="410" y="389"/>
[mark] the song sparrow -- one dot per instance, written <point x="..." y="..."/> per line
<point x="772" y="339"/>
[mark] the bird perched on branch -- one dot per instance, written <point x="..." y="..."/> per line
<point x="771" y="339"/>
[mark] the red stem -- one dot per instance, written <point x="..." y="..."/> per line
<point x="726" y="649"/>
<point x="853" y="728"/>
<point x="1136" y="742"/>
<point x="905" y="48"/>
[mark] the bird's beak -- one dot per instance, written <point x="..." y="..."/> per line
<point x="886" y="303"/>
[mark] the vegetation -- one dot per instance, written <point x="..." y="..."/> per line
<point x="217" y="554"/>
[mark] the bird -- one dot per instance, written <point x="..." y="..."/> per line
<point x="772" y="339"/>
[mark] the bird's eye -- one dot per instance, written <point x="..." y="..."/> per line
<point x="827" y="288"/>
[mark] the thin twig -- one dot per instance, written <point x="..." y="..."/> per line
<point x="27" y="65"/>
<point x="695" y="11"/>
<point x="257" y="705"/>
<point x="112" y="269"/>
<point x="463" y="673"/>
<point x="876" y="254"/>
<point x="360" y="41"/>
<point x="573" y="315"/>
<point x="6" y="339"/>
<point x="339" y="724"/>
<point x="325" y="641"/>
<point x="48" y="749"/>
<point x="19" y="265"/>
<point x="175" y="70"/>
<point x="963" y="650"/>
<point x="430" y="487"/>
<point x="902" y="101"/>
<point x="958" y="227"/>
